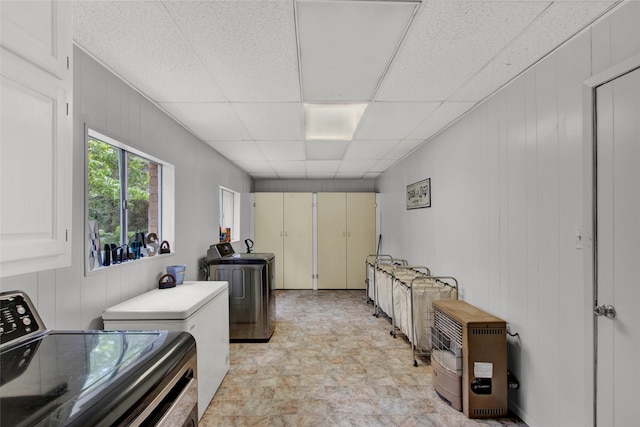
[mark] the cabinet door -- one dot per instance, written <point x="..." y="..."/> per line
<point x="269" y="232"/>
<point x="35" y="172"/>
<point x="39" y="31"/>
<point x="361" y="239"/>
<point x="298" y="235"/>
<point x="332" y="241"/>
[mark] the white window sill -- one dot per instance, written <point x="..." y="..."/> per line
<point x="114" y="267"/>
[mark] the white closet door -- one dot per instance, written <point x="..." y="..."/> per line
<point x="269" y="230"/>
<point x="298" y="237"/>
<point x="361" y="236"/>
<point x="618" y="251"/>
<point x="332" y="241"/>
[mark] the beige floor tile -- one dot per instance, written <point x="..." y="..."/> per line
<point x="331" y="363"/>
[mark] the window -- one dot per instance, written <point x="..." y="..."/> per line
<point x="229" y="215"/>
<point x="125" y="211"/>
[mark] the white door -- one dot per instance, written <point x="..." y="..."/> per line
<point x="361" y="236"/>
<point x="298" y="241"/>
<point x="269" y="230"/>
<point x="332" y="240"/>
<point x="618" y="252"/>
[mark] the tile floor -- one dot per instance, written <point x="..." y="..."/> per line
<point x="330" y="363"/>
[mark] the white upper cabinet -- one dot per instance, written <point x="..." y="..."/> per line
<point x="36" y="136"/>
<point x="40" y="32"/>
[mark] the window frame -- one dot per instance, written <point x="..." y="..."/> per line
<point x="235" y="228"/>
<point x="166" y="196"/>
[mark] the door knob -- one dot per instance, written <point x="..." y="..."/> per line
<point x="605" y="310"/>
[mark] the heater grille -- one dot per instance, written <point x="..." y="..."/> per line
<point x="489" y="411"/>
<point x="448" y="326"/>
<point x="487" y="331"/>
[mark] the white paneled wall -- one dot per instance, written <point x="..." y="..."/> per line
<point x="507" y="200"/>
<point x="67" y="299"/>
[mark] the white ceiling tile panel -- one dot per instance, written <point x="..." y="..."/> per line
<point x="326" y="150"/>
<point x="393" y="120"/>
<point x="382" y="165"/>
<point x="256" y="175"/>
<point x="255" y="166"/>
<point x="360" y="166"/>
<point x="228" y="70"/>
<point x="271" y="121"/>
<point x="238" y="150"/>
<point x="288" y="166"/>
<point x="559" y="22"/>
<point x="139" y="41"/>
<point x="402" y="148"/>
<point x="323" y="166"/>
<point x="345" y="46"/>
<point x="451" y="41"/>
<point x="441" y="117"/>
<point x="282" y="150"/>
<point x="248" y="46"/>
<point x="210" y="121"/>
<point x="371" y="175"/>
<point x="365" y="150"/>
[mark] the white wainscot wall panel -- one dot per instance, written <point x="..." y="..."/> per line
<point x="507" y="199"/>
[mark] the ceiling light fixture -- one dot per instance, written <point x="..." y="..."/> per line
<point x="332" y="121"/>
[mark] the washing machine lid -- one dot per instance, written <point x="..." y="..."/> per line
<point x="177" y="303"/>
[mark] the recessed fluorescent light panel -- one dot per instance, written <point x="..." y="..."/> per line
<point x="332" y="121"/>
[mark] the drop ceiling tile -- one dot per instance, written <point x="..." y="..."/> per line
<point x="210" y="121"/>
<point x="264" y="175"/>
<point x="323" y="166"/>
<point x="140" y="42"/>
<point x="557" y="24"/>
<point x="449" y="43"/>
<point x="238" y="150"/>
<point x="282" y="150"/>
<point x="248" y="46"/>
<point x="272" y="121"/>
<point x="365" y="150"/>
<point x="403" y="148"/>
<point x="393" y="120"/>
<point x="371" y="175"/>
<point x="326" y="150"/>
<point x="382" y="165"/>
<point x="441" y="117"/>
<point x="359" y="166"/>
<point x="287" y="166"/>
<point x="345" y="46"/>
<point x="255" y="166"/>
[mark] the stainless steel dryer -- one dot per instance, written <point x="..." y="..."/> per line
<point x="252" y="294"/>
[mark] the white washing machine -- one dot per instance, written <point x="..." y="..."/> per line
<point x="200" y="308"/>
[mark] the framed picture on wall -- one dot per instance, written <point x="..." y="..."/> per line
<point x="419" y="194"/>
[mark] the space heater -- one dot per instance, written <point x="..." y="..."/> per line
<point x="469" y="359"/>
